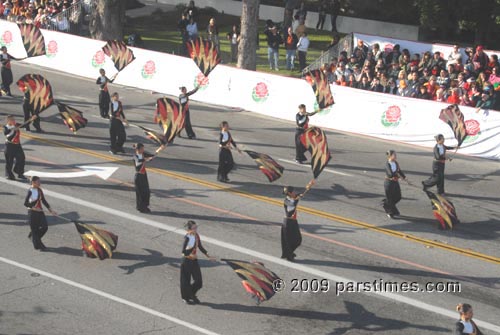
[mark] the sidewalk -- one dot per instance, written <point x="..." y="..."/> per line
<point x="150" y="7"/>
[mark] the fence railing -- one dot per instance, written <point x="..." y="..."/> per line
<point x="344" y="44"/>
<point x="71" y="20"/>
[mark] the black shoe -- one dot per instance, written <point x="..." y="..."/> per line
<point x="390" y="216"/>
<point x="187" y="301"/>
<point x="23" y="177"/>
<point x="112" y="152"/>
<point x="300" y="161"/>
<point x="192" y="137"/>
<point x="40" y="131"/>
<point x="196" y="300"/>
<point x="43" y="248"/>
<point x="121" y="150"/>
<point x="29" y="235"/>
<point x="11" y="178"/>
<point x="424" y="186"/>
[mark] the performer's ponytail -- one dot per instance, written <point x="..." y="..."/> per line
<point x="463" y="308"/>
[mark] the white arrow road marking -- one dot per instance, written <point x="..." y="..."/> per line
<point x="325" y="170"/>
<point x="103" y="172"/>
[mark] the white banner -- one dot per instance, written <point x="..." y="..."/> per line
<point x="379" y="115"/>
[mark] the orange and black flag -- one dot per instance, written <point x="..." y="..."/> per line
<point x="154" y="136"/>
<point x="119" y="53"/>
<point x="257" y="279"/>
<point x="204" y="54"/>
<point x="38" y="90"/>
<point x="33" y="40"/>
<point x="314" y="140"/>
<point x="267" y="165"/>
<point x="321" y="88"/>
<point x="455" y="119"/>
<point x="71" y="117"/>
<point x="443" y="210"/>
<point x="171" y="117"/>
<point x="96" y="243"/>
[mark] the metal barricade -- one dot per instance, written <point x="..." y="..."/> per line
<point x="70" y="20"/>
<point x="344" y="44"/>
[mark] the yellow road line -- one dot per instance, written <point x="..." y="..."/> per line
<point x="308" y="210"/>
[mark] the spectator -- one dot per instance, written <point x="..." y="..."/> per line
<point x="437" y="62"/>
<point x="295" y="24"/>
<point x="494" y="77"/>
<point x="422" y="93"/>
<point x="413" y="82"/>
<point x="455" y="57"/>
<point x="426" y="75"/>
<point x="391" y="87"/>
<point x="492" y="62"/>
<point x="394" y="70"/>
<point x="480" y="60"/>
<point x="432" y="86"/>
<point x="301" y="29"/>
<point x="425" y="63"/>
<point x="62" y="23"/>
<point x="440" y="95"/>
<point x="291" y="48"/>
<point x="443" y="79"/>
<point x="302" y="47"/>
<point x="470" y="55"/>
<point x="403" y="89"/>
<point x="357" y="73"/>
<point x="364" y="84"/>
<point x="481" y="80"/>
<point x="334" y="13"/>
<point x="393" y="56"/>
<point x="352" y="82"/>
<point x="322" y="9"/>
<point x="327" y="71"/>
<point x="464" y="100"/>
<point x="377" y="53"/>
<point x="376" y="86"/>
<point x="192" y="29"/>
<point x="452" y="72"/>
<point x="486" y="101"/>
<point x="302" y="12"/>
<point x="273" y="43"/>
<point x="454" y="97"/>
<point x="76" y="19"/>
<point x="360" y="46"/>
<point x="182" y="26"/>
<point x="213" y="34"/>
<point x="234" y="40"/>
<point x="191" y="11"/>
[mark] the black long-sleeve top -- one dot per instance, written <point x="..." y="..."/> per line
<point x="103" y="81"/>
<point x="5" y="60"/>
<point x="192" y="243"/>
<point x="226" y="140"/>
<point x="441" y="156"/>
<point x="140" y="162"/>
<point x="393" y="173"/>
<point x="302" y="121"/>
<point x="12" y="135"/>
<point x="290" y="205"/>
<point x="184" y="98"/>
<point x="35" y="198"/>
<point x="117" y="111"/>
<point x="459" y="328"/>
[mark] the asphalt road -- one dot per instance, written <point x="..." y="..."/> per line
<point x="346" y="235"/>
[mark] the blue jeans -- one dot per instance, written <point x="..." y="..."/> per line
<point x="290" y="59"/>
<point x="272" y="56"/>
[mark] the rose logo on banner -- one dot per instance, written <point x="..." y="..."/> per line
<point x="260" y="92"/>
<point x="473" y="129"/>
<point x="51" y="49"/>
<point x="201" y="81"/>
<point x="391" y="117"/>
<point x="148" y="70"/>
<point x="98" y="60"/>
<point x="6" y="39"/>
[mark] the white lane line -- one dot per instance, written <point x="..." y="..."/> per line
<point x="108" y="296"/>
<point x="254" y="254"/>
<point x="324" y="170"/>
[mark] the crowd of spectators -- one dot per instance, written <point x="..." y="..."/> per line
<point x="474" y="81"/>
<point x="42" y="13"/>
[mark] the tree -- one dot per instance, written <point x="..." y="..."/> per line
<point x="290" y="5"/>
<point x="107" y="19"/>
<point x="247" y="49"/>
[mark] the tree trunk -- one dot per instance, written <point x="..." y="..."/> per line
<point x="247" y="48"/>
<point x="107" y="20"/>
<point x="290" y="5"/>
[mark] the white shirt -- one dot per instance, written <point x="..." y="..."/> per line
<point x="234" y="38"/>
<point x="191" y="241"/>
<point x="34" y="194"/>
<point x="441" y="149"/>
<point x="225" y="136"/>
<point x="115" y="106"/>
<point x="183" y="99"/>
<point x="303" y="44"/>
<point x="468" y="327"/>
<point x="394" y="166"/>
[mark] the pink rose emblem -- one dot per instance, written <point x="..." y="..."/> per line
<point x="393" y="114"/>
<point x="7" y="37"/>
<point x="261" y="90"/>
<point x="472" y="127"/>
<point x="201" y="80"/>
<point x="52" y="47"/>
<point x="150" y="67"/>
<point x="98" y="59"/>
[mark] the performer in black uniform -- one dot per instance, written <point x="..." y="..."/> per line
<point x="391" y="184"/>
<point x="142" y="192"/>
<point x="226" y="161"/>
<point x="104" y="98"/>
<point x="38" y="223"/>
<point x="438" y="164"/>
<point x="116" y="129"/>
<point x="13" y="149"/>
<point x="302" y="120"/>
<point x="29" y="113"/>
<point x="466" y="325"/>
<point x="184" y="101"/>
<point x="190" y="267"/>
<point x="291" y="238"/>
<point x="6" y="71"/>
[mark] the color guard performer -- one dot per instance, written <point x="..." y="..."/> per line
<point x="29" y="113"/>
<point x="438" y="165"/>
<point x="142" y="192"/>
<point x="184" y="101"/>
<point x="466" y="325"/>
<point x="116" y="129"/>
<point x="291" y="238"/>
<point x="226" y="162"/>
<point x="104" y="98"/>
<point x="190" y="267"/>
<point x="6" y="71"/>
<point x="36" y="217"/>
<point x="391" y="184"/>
<point x="302" y="120"/>
<point x="13" y="149"/>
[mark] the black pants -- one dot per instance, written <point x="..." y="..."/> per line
<point x="234" y="53"/>
<point x="299" y="148"/>
<point x="190" y="269"/>
<point x="392" y="197"/>
<point x="302" y="60"/>
<point x="437" y="177"/>
<point x="321" y="21"/>
<point x="226" y="162"/>
<point x="117" y="134"/>
<point x="28" y="113"/>
<point x="7" y="79"/>
<point x="142" y="192"/>
<point x="104" y="101"/>
<point x="38" y="225"/>
<point x="187" y="125"/>
<point x="14" y="152"/>
<point x="291" y="238"/>
<point x="333" y="20"/>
